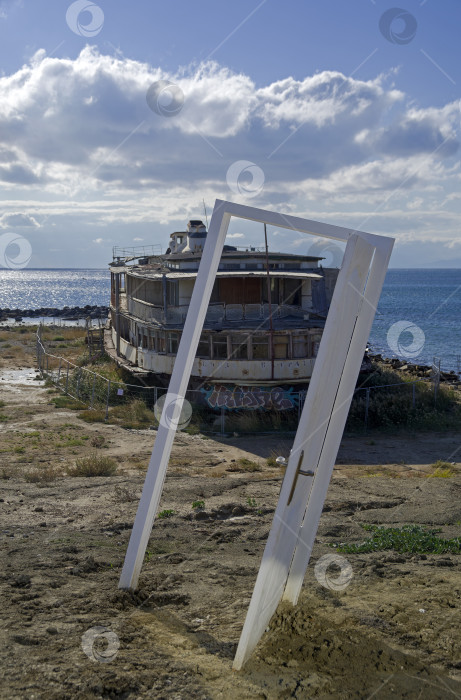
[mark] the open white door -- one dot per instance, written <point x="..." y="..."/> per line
<point x="320" y="429"/>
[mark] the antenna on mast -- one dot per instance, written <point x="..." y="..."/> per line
<point x="204" y="210"/>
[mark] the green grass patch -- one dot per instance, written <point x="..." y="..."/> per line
<point x="392" y="406"/>
<point x="3" y="417"/>
<point x="96" y="416"/>
<point x="198" y="504"/>
<point x="409" y="538"/>
<point x="168" y="513"/>
<point x="68" y="402"/>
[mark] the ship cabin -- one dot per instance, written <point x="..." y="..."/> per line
<point x="262" y="327"/>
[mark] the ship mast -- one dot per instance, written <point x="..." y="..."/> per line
<point x="271" y="327"/>
<point x="204" y="211"/>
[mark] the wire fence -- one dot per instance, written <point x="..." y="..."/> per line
<point x="372" y="406"/>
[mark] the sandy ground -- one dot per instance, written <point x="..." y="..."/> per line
<point x="393" y="632"/>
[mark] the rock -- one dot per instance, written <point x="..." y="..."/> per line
<point x="21" y="581"/>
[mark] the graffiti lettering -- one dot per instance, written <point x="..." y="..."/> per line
<point x="233" y="397"/>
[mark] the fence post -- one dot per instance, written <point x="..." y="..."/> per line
<point x="47" y="364"/>
<point x="78" y="383"/>
<point x="67" y="377"/>
<point x="367" y="406"/>
<point x="92" y="392"/>
<point x="59" y="370"/>
<point x="107" y="400"/>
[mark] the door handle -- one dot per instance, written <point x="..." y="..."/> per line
<point x="299" y="471"/>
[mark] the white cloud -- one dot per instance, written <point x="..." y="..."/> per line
<point x="235" y="235"/>
<point x="79" y="145"/>
<point x="18" y="220"/>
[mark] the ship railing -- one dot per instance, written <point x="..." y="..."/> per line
<point x="140" y="251"/>
<point x="216" y="312"/>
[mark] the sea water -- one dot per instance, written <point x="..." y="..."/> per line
<point x="428" y="301"/>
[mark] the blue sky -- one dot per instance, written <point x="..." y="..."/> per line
<point x="346" y="112"/>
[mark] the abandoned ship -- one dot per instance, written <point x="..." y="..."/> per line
<point x="262" y="328"/>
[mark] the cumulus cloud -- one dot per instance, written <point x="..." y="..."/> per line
<point x="86" y="122"/>
<point x="78" y="137"/>
<point x="18" y="220"/>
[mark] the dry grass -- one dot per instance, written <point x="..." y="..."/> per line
<point x="443" y="470"/>
<point x="244" y="465"/>
<point x="43" y="475"/>
<point x="94" y="465"/>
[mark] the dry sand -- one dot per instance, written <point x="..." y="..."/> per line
<point x="393" y="632"/>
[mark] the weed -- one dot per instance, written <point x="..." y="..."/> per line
<point x="89" y="416"/>
<point x="68" y="402"/>
<point x="409" y="538"/>
<point x="97" y="441"/>
<point x="94" y="465"/>
<point x="251" y="502"/>
<point x="45" y="474"/>
<point x="166" y="513"/>
<point x="442" y="473"/>
<point x="3" y="418"/>
<point x="58" y="338"/>
<point x="8" y="472"/>
<point x="443" y="470"/>
<point x="198" y="504"/>
<point x="19" y="450"/>
<point x="244" y="465"/>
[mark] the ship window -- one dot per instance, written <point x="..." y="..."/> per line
<point x="300" y="346"/>
<point x="239" y="347"/>
<point x="160" y="342"/>
<point x="292" y="292"/>
<point x="315" y="343"/>
<point x="203" y="349"/>
<point x="281" y="347"/>
<point x="220" y="347"/>
<point x="172" y="293"/>
<point x="260" y="347"/>
<point x="173" y="342"/>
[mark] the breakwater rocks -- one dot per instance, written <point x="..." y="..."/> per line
<point x="71" y="313"/>
<point x="421" y="371"/>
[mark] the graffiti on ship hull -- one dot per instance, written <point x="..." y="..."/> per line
<point x="250" y="397"/>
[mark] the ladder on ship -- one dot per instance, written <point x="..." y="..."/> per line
<point x="94" y="339"/>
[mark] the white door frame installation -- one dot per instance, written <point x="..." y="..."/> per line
<point x="322" y="421"/>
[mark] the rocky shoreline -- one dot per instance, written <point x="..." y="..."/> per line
<point x="70" y="313"/>
<point x="418" y="371"/>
